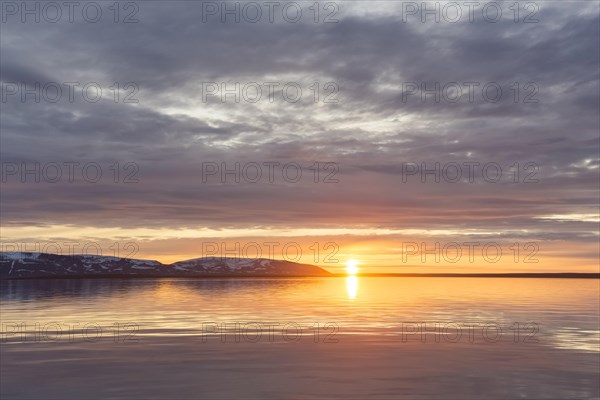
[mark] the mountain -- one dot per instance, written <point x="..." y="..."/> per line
<point x="21" y="265"/>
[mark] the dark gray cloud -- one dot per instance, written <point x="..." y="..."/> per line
<point x="369" y="132"/>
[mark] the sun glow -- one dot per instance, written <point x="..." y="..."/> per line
<point x="352" y="267"/>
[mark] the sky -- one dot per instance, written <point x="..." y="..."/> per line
<point x="470" y="144"/>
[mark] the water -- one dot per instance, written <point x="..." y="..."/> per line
<point x="312" y="338"/>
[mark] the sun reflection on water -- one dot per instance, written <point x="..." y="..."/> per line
<point x="352" y="286"/>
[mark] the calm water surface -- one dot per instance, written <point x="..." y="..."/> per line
<point x="350" y="338"/>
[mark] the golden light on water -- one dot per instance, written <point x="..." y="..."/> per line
<point x="352" y="286"/>
<point x="352" y="279"/>
<point x="352" y="266"/>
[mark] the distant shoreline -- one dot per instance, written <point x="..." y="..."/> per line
<point x="580" y="275"/>
<point x="559" y="275"/>
<point x="53" y="266"/>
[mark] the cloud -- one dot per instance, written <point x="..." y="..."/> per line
<point x="371" y="56"/>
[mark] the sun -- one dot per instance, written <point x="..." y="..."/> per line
<point x="352" y="266"/>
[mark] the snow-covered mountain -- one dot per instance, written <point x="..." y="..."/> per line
<point x="19" y="265"/>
